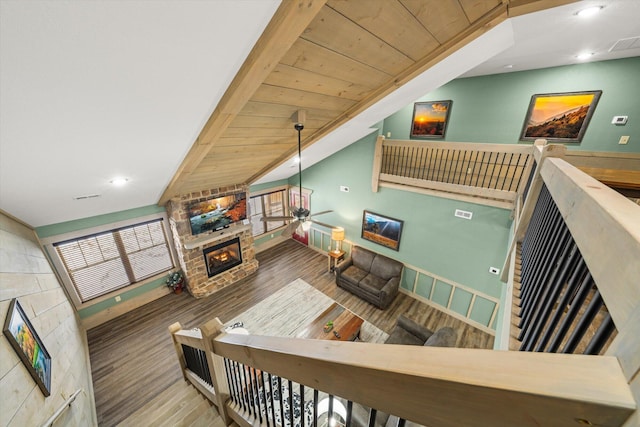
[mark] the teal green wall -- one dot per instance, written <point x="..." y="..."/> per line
<point x="125" y="296"/>
<point x="432" y="238"/>
<point x="96" y="221"/>
<point x="492" y="108"/>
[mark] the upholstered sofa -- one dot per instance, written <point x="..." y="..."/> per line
<point x="373" y="277"/>
<point x="409" y="332"/>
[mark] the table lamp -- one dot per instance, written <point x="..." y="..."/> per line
<point x="337" y="234"/>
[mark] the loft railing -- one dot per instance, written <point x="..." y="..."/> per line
<point x="281" y="381"/>
<point x="493" y="174"/>
<point x="424" y="384"/>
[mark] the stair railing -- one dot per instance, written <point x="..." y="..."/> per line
<point x="573" y="269"/>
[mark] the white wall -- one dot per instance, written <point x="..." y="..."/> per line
<point x="26" y="275"/>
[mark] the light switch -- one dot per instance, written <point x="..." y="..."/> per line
<point x="623" y="140"/>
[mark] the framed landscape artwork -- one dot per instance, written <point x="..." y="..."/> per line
<point x="561" y="117"/>
<point x="382" y="230"/>
<point x="27" y="344"/>
<point x="430" y="119"/>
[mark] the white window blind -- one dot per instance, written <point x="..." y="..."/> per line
<point x="102" y="263"/>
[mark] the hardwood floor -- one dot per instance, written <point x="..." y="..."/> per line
<point x="132" y="356"/>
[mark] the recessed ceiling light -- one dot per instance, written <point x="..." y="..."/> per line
<point x="119" y="182"/>
<point x="584" y="56"/>
<point x="589" y="11"/>
<point x="508" y="66"/>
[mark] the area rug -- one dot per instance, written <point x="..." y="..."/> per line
<point x="284" y="314"/>
<point x="292" y="308"/>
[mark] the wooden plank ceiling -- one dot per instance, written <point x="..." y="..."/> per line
<point x="333" y="59"/>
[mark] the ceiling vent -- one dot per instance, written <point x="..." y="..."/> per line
<point x="626" y="44"/>
<point x="463" y="214"/>
<point x="88" y="196"/>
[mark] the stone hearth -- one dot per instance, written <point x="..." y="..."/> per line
<point x="190" y="248"/>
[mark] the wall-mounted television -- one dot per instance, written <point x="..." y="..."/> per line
<point x="217" y="213"/>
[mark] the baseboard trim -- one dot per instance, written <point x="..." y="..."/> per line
<point x="269" y="244"/>
<point x="127" y="306"/>
<point x="451" y="313"/>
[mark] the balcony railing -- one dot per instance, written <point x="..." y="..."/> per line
<point x="424" y="384"/>
<point x="493" y="174"/>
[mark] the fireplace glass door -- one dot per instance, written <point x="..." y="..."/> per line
<point x="223" y="256"/>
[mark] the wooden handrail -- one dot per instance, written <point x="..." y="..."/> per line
<point x="606" y="228"/>
<point x="427" y="385"/>
<point x="192" y="338"/>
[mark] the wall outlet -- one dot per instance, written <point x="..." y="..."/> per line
<point x="388" y="134"/>
<point x="118" y="298"/>
<point x="344" y="188"/>
<point x="623" y="140"/>
<point x="494" y="270"/>
<point x="272" y="235"/>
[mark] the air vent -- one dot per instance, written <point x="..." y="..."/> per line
<point x="463" y="214"/>
<point x="88" y="196"/>
<point x="626" y="44"/>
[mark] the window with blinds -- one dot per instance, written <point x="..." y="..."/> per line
<point x="104" y="262"/>
<point x="270" y="204"/>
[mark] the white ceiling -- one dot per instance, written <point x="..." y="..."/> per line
<point x="94" y="90"/>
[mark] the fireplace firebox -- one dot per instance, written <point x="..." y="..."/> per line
<point x="222" y="257"/>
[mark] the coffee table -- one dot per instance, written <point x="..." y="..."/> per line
<point x="346" y="325"/>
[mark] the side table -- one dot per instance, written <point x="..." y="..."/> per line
<point x="334" y="257"/>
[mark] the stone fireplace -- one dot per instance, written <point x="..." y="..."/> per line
<point x="211" y="260"/>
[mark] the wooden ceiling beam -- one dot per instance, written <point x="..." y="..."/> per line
<point x="488" y="22"/>
<point x="289" y="21"/>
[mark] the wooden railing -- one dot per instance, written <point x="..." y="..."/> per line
<point x="492" y="174"/>
<point x="424" y="384"/>
<point x="573" y="269"/>
<point x="420" y="384"/>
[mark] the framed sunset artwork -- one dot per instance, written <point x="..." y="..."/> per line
<point x="430" y="119"/>
<point x="560" y="117"/>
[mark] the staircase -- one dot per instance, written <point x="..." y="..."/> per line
<point x="178" y="405"/>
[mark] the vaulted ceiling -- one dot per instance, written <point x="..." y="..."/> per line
<point x="179" y="96"/>
<point x="333" y="59"/>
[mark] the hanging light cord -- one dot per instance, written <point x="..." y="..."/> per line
<point x="299" y="127"/>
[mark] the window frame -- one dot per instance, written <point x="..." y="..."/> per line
<point x="285" y="189"/>
<point x="65" y="279"/>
